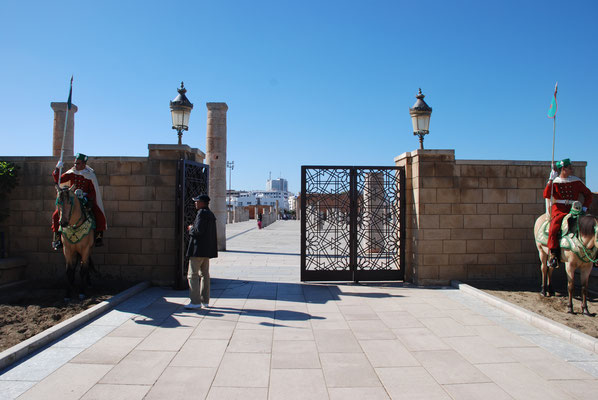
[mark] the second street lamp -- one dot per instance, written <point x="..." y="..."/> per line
<point x="180" y="109"/>
<point x="420" y="117"/>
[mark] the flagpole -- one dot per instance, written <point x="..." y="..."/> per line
<point x="66" y="120"/>
<point x="552" y="165"/>
<point x="553" y="141"/>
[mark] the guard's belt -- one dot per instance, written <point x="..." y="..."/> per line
<point x="566" y="202"/>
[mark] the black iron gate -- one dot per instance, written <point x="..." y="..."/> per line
<point x="352" y="223"/>
<point x="191" y="180"/>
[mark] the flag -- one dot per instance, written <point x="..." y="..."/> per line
<point x="69" y="102"/>
<point x="553" y="105"/>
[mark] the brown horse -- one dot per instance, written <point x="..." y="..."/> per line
<point x="579" y="257"/>
<point x="77" y="228"/>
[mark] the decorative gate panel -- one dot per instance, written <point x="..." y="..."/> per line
<point x="351" y="223"/>
<point x="192" y="180"/>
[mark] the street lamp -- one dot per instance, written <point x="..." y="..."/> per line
<point x="180" y="109"/>
<point x="230" y="165"/>
<point x="420" y="117"/>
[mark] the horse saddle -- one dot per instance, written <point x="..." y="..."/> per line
<point x="568" y="229"/>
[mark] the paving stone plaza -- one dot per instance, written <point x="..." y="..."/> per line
<point x="269" y="336"/>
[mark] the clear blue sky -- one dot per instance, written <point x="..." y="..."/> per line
<point x="306" y="82"/>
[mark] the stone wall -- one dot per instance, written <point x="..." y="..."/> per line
<point x="139" y="201"/>
<point x="470" y="219"/>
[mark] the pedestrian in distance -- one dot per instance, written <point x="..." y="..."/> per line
<point x="202" y="246"/>
<point x="259" y="221"/>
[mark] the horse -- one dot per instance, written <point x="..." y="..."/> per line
<point x="77" y="226"/>
<point x="579" y="253"/>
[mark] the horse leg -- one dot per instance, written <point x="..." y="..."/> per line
<point x="551" y="291"/>
<point x="91" y="268"/>
<point x="84" y="275"/>
<point x="544" y="270"/>
<point x="70" y="280"/>
<point x="585" y="278"/>
<point x="570" y="287"/>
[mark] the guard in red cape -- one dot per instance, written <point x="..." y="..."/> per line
<point x="565" y="189"/>
<point x="84" y="178"/>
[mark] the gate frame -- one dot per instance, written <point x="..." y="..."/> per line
<point x="353" y="273"/>
<point x="180" y="213"/>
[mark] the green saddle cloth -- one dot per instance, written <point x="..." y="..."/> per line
<point x="569" y="240"/>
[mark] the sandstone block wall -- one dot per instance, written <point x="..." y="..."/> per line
<point x="471" y="219"/>
<point x="139" y="201"/>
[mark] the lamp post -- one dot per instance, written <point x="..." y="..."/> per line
<point x="180" y="109"/>
<point x="420" y="117"/>
<point x="230" y="165"/>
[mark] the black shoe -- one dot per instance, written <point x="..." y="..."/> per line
<point x="553" y="262"/>
<point x="99" y="242"/>
<point x="57" y="244"/>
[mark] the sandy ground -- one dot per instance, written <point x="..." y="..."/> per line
<point x="28" y="310"/>
<point x="527" y="295"/>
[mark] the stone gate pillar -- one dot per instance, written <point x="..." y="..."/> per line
<point x="216" y="159"/>
<point x="58" y="129"/>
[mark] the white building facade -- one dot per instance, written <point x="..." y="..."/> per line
<point x="261" y="197"/>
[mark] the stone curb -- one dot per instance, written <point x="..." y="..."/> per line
<point x="18" y="351"/>
<point x="574" y="336"/>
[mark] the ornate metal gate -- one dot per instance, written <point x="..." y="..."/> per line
<point x="191" y="180"/>
<point x="352" y="223"/>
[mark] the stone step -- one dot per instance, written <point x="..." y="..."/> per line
<point x="12" y="269"/>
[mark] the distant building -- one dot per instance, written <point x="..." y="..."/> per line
<point x="278" y="185"/>
<point x="293" y="203"/>
<point x="276" y="194"/>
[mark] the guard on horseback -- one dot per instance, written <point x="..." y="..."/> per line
<point x="84" y="179"/>
<point x="563" y="189"/>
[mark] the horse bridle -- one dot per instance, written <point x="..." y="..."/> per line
<point x="71" y="196"/>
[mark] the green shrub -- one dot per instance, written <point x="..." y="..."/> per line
<point x="8" y="181"/>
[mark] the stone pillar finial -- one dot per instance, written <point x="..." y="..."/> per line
<point x="58" y="129"/>
<point x="216" y="159"/>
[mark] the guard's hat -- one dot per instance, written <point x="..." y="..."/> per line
<point x="81" y="156"/>
<point x="202" y="197"/>
<point x="563" y="163"/>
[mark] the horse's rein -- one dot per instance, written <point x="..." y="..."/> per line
<point x="583" y="246"/>
<point x="72" y="200"/>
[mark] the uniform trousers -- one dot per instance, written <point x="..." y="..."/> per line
<point x="198" y="275"/>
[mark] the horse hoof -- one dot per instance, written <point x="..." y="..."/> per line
<point x="543" y="292"/>
<point x="570" y="311"/>
<point x="587" y="312"/>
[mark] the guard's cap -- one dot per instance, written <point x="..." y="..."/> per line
<point x="202" y="197"/>
<point x="81" y="156"/>
<point x="563" y="163"/>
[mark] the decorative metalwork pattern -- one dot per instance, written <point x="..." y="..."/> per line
<point x="378" y="219"/>
<point x="192" y="180"/>
<point x="327" y="204"/>
<point x="351" y="223"/>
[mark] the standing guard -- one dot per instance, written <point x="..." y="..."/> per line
<point x="564" y="189"/>
<point x="84" y="178"/>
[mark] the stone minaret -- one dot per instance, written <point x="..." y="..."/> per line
<point x="216" y="159"/>
<point x="58" y="130"/>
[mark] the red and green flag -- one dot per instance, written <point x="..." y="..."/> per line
<point x="553" y="104"/>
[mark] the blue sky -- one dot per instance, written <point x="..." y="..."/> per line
<point x="309" y="82"/>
